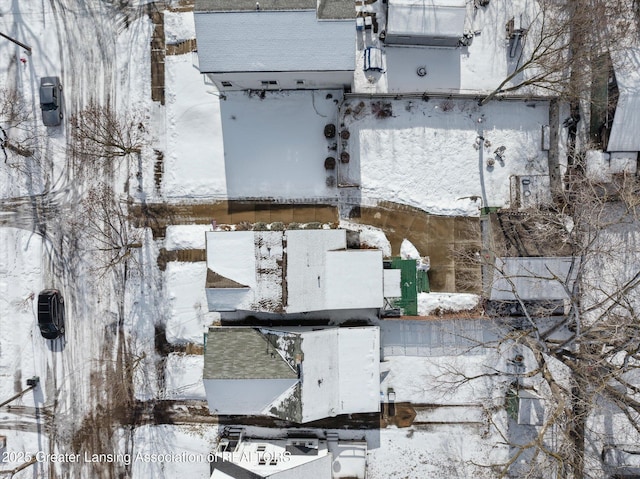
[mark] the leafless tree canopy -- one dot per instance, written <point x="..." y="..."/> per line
<point x="16" y="130"/>
<point x="99" y="132"/>
<point x="560" y="42"/>
<point x="106" y="224"/>
<point x="583" y="363"/>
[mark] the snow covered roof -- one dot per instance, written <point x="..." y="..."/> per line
<point x="290" y="271"/>
<point x="626" y="121"/>
<point x="296" y="375"/>
<point x="273" y="41"/>
<point x="274" y="458"/>
<point x="532" y="278"/>
<point x="290" y="457"/>
<point x="440" y="20"/>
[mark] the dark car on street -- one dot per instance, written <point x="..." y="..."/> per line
<point x="51" y="101"/>
<point x="51" y="313"/>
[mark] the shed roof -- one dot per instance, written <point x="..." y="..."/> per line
<point x="274" y="41"/>
<point x="626" y="121"/>
<point x="427" y="18"/>
<point x="533" y="278"/>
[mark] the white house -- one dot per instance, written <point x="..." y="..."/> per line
<point x="291" y="272"/>
<point x="438" y="23"/>
<point x="276" y="44"/>
<point x="299" y="457"/>
<point x="294" y="374"/>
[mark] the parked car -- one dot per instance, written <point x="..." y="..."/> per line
<point x="51" y="101"/>
<point x="51" y="313"/>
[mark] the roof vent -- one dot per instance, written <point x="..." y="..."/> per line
<point x="421" y="71"/>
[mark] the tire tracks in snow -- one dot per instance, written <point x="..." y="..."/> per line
<point x="88" y="32"/>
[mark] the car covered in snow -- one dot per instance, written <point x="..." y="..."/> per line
<point x="51" y="101"/>
<point x="51" y="313"/>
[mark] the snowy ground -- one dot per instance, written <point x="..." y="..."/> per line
<point x="428" y="154"/>
<point x="189" y="313"/>
<point x="430" y="303"/>
<point x="172" y="451"/>
<point x="194" y="158"/>
<point x="112" y="321"/>
<point x="23" y="352"/>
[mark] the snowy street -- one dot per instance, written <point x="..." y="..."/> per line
<point x="41" y="193"/>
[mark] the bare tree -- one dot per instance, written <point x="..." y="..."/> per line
<point x="99" y="132"/>
<point x="106" y="224"/>
<point x="582" y="361"/>
<point x="559" y="45"/>
<point x="16" y="132"/>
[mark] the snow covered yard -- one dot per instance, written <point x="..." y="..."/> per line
<point x="24" y="353"/>
<point x="188" y="311"/>
<point x="194" y="163"/>
<point x="172" y="451"/>
<point x="452" y="433"/>
<point x="438" y="451"/>
<point x="433" y="154"/>
<point x="20" y="282"/>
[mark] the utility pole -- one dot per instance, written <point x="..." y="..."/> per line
<point x="20" y="44"/>
<point x="31" y="384"/>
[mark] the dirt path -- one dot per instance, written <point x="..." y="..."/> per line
<point x="445" y="239"/>
<point x="158" y="216"/>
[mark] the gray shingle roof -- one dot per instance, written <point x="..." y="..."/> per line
<point x="243" y="353"/>
<point x="326" y="9"/>
<point x="336" y="9"/>
<point x="243" y="5"/>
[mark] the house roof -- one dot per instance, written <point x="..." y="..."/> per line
<point x="274" y="41"/>
<point x="339" y="371"/>
<point x="291" y="271"/>
<point x="250" y="453"/>
<point x="323" y="275"/>
<point x="326" y="9"/>
<point x="250" y="5"/>
<point x="626" y="121"/>
<point x="427" y="18"/>
<point x="294" y="457"/>
<point x="354" y="279"/>
<point x="244" y="353"/>
<point x="237" y="268"/>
